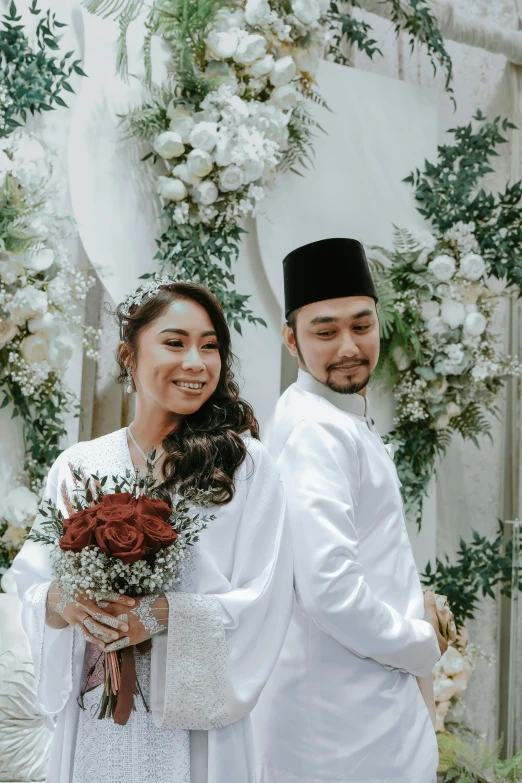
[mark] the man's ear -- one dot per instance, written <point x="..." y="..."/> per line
<point x="289" y="339"/>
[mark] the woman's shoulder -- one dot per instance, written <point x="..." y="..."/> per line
<point x="102" y="451"/>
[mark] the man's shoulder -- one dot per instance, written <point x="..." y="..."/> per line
<point x="300" y="413"/>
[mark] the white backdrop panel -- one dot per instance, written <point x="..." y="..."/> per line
<point x="377" y="131"/>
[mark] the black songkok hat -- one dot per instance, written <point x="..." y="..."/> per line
<point x="327" y="269"/>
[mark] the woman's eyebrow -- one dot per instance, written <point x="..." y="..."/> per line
<point x="184" y="332"/>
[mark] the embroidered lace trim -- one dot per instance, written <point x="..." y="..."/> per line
<point x="197" y="663"/>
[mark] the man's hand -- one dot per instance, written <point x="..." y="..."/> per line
<point x="99" y="625"/>
<point x="431" y="616"/>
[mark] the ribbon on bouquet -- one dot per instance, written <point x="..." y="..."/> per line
<point x="95" y="675"/>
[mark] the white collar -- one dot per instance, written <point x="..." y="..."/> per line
<point x="355" y="404"/>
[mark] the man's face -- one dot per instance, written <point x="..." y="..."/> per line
<point x="337" y="341"/>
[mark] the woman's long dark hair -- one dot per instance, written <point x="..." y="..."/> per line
<point x="206" y="448"/>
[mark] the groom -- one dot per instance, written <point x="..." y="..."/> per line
<point x="343" y="704"/>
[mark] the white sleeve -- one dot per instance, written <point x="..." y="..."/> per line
<point x="210" y="668"/>
<point x="319" y="467"/>
<point x="52" y="650"/>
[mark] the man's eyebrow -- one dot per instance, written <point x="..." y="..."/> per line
<point x="323" y="319"/>
<point x="184" y="333"/>
<point x="328" y="319"/>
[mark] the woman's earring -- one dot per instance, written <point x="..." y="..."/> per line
<point x="129" y="382"/>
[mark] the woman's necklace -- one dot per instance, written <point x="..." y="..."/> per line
<point x="133" y="439"/>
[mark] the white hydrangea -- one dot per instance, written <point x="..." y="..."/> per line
<point x="28" y="302"/>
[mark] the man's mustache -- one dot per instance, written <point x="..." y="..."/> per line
<point x="348" y="366"/>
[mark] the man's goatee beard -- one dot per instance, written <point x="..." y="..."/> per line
<point x="348" y="388"/>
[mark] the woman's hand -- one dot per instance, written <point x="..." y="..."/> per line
<point x="149" y="616"/>
<point x="97" y="623"/>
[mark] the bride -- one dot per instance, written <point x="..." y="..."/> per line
<point x="215" y="640"/>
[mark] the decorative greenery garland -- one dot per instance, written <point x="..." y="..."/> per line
<point x="438" y="295"/>
<point x="234" y="113"/>
<point x="39" y="288"/>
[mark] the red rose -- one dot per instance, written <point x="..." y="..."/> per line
<point x="92" y="511"/>
<point x="118" y="499"/>
<point x="157" y="532"/>
<point x="121" y="539"/>
<point x="116" y="513"/>
<point x="151" y="507"/>
<point x="80" y="530"/>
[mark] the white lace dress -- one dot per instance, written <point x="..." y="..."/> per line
<point x="203" y="677"/>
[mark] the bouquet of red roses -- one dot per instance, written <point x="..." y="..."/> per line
<point x="126" y="541"/>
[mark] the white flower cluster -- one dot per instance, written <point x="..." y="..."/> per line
<point x="452" y="674"/>
<point x="450" y="316"/>
<point x="39" y="288"/>
<point x="98" y="574"/>
<point x="18" y="510"/>
<point x="221" y="154"/>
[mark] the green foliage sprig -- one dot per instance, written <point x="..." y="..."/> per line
<point x="462" y="762"/>
<point x="449" y="192"/>
<point x="415" y="18"/>
<point x="477" y="569"/>
<point x="31" y="81"/>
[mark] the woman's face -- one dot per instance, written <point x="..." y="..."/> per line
<point x="178" y="363"/>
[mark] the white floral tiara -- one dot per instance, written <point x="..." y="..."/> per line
<point x="150" y="288"/>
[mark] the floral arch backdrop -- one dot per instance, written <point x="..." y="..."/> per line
<point x="231" y="115"/>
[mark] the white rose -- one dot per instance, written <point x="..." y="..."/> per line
<point x="14" y="538"/>
<point x="230" y="20"/>
<point x="171" y="188"/>
<point x="223" y="152"/>
<point x="181" y="172"/>
<point x="60" y="351"/>
<point x="49" y="323"/>
<point x="7" y="332"/>
<point x="452" y="313"/>
<point x="307" y="60"/>
<point x="250" y="48"/>
<point x="307" y="11"/>
<point x="34" y="349"/>
<point x="256" y="11"/>
<point x="20" y="507"/>
<point x="472" y="267"/>
<point x="199" y="163"/>
<point x="430" y="310"/>
<point x="262" y="67"/>
<point x="204" y="136"/>
<point x="11" y="268"/>
<point x="183" y="125"/>
<point x="283" y="72"/>
<point x="452" y="409"/>
<point x="442" y="267"/>
<point x="253" y="170"/>
<point x="169" y="145"/>
<point x="471" y="307"/>
<point x="452" y="662"/>
<point x="444" y="689"/>
<point x="475" y="324"/>
<point x="40" y="260"/>
<point x="205" y="193"/>
<point x="223" y="45"/>
<point x="436" y="325"/>
<point x="230" y="178"/>
<point x="28" y="302"/>
<point x="285" y="97"/>
<point x="442" y="422"/>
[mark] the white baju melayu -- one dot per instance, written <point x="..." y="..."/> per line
<point x="204" y="675"/>
<point x="343" y="704"/>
